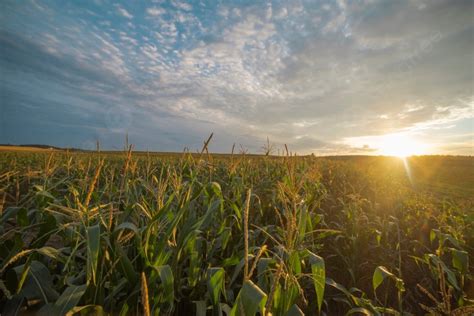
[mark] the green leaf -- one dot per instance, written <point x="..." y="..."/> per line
<point x="216" y="188"/>
<point x="288" y="296"/>
<point x="250" y="300"/>
<point x="46" y="230"/>
<point x="209" y="216"/>
<point x="318" y="271"/>
<point x="215" y="284"/>
<point x="167" y="280"/>
<point x="23" y="275"/>
<point x="126" y="225"/>
<point x="38" y="283"/>
<point x="437" y="262"/>
<point x="125" y="265"/>
<point x="295" y="262"/>
<point x="93" y="246"/>
<point x="69" y="299"/>
<point x="238" y="269"/>
<point x="124" y="310"/>
<point x="380" y="274"/>
<point x="13" y="306"/>
<point x="10" y="212"/>
<point x="302" y="223"/>
<point x="42" y="192"/>
<point x="338" y="286"/>
<point x="263" y="272"/>
<point x="22" y="218"/>
<point x="294" y="311"/>
<point x="460" y="260"/>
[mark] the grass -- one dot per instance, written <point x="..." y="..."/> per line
<point x="126" y="233"/>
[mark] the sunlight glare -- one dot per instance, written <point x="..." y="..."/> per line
<point x="400" y="145"/>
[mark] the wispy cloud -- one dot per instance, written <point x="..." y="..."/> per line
<point x="124" y="12"/>
<point x="182" y="5"/>
<point x="155" y="11"/>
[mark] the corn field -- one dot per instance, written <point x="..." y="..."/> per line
<point x="198" y="234"/>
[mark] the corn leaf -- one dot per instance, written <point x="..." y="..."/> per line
<point x="69" y="299"/>
<point x="93" y="245"/>
<point x="215" y="284"/>
<point x="379" y="275"/>
<point x="250" y="300"/>
<point x="318" y="271"/>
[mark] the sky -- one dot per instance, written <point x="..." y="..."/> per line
<point x="323" y="77"/>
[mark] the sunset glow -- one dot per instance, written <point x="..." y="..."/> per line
<point x="401" y="145"/>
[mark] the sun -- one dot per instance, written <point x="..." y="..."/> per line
<point x="400" y="145"/>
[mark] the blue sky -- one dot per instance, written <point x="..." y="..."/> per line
<point x="329" y="77"/>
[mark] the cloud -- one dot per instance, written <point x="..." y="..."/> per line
<point x="182" y="5"/>
<point x="306" y="74"/>
<point x="124" y="12"/>
<point x="155" y="11"/>
<point x="445" y="115"/>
